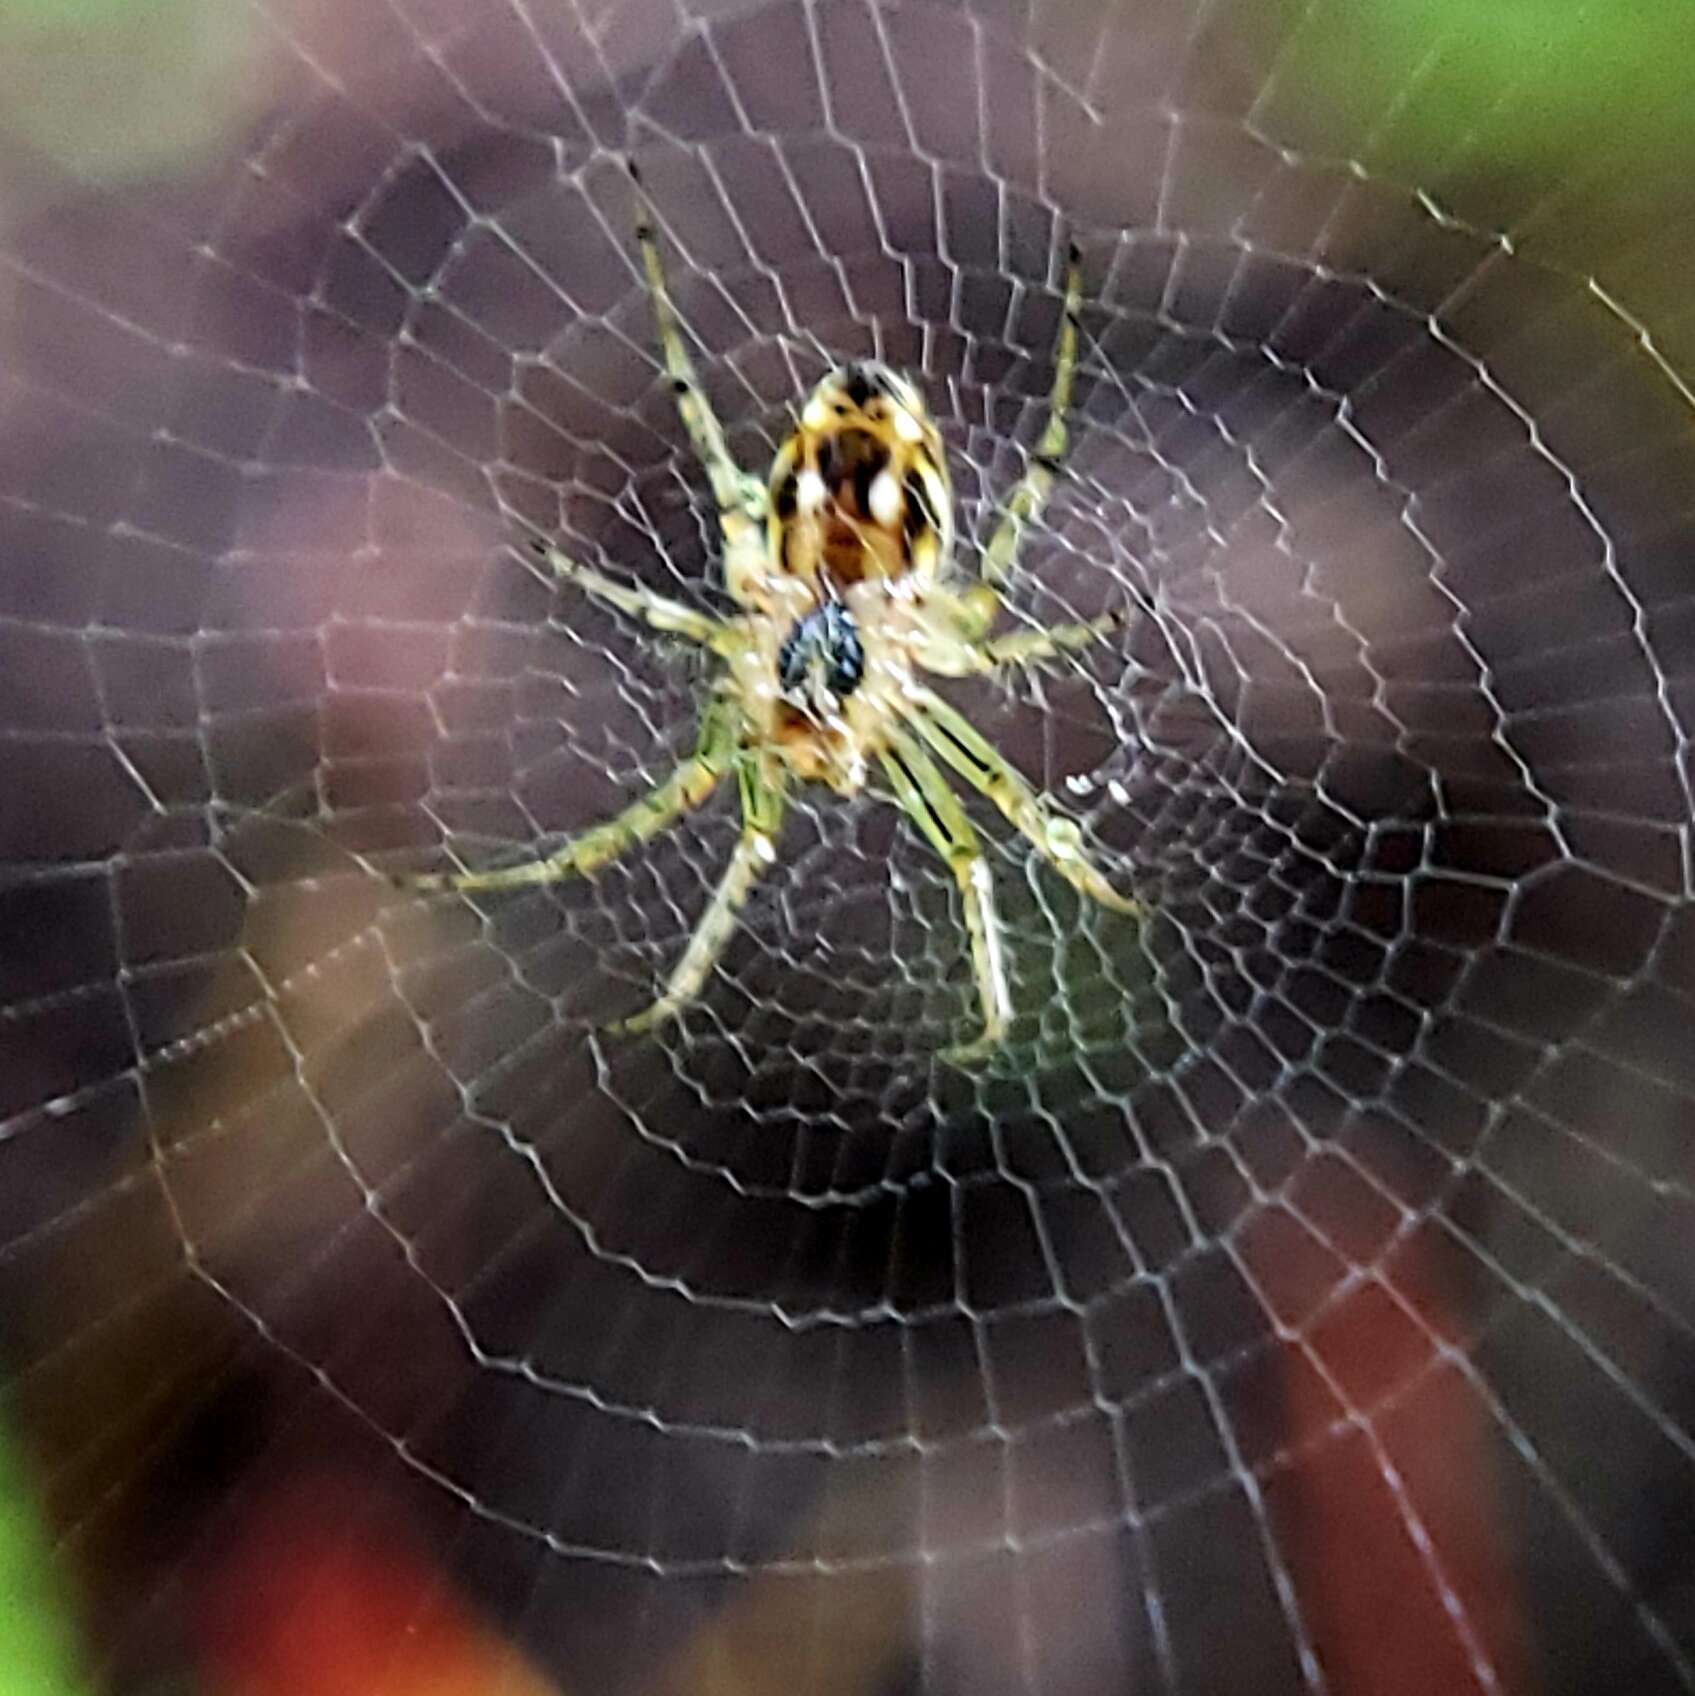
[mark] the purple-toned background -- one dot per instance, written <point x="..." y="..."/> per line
<point x="1302" y="1303"/>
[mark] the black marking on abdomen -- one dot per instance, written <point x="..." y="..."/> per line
<point x="864" y="475"/>
<point x="862" y="382"/>
<point x="917" y="515"/>
<point x="856" y="457"/>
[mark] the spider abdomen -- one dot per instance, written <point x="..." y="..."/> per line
<point x="860" y="490"/>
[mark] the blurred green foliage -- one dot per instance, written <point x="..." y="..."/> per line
<point x="114" y="90"/>
<point x="37" y="1641"/>
<point x="70" y="14"/>
<point x="1413" y="86"/>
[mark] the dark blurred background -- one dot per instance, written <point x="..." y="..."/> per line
<point x="1303" y="1301"/>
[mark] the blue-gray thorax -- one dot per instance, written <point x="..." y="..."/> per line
<point x="824" y="644"/>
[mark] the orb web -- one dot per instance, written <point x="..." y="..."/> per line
<point x="1314" y="1245"/>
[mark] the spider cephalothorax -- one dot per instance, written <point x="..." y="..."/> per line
<point x="841" y="564"/>
<point x="821" y="658"/>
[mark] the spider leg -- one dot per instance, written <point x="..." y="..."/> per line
<point x="1056" y="838"/>
<point x="924" y="793"/>
<point x="762" y="820"/>
<point x="1023" y="647"/>
<point x="1029" y="497"/>
<point x="740" y="497"/>
<point x="585" y="853"/>
<point x="949" y="641"/>
<point x="657" y="611"/>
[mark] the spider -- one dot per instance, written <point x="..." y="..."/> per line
<point x="842" y="565"/>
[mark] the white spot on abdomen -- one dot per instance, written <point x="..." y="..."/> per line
<point x="885" y="499"/>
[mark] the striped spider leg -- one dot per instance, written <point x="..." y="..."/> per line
<point x="1024" y="507"/>
<point x="720" y="749"/>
